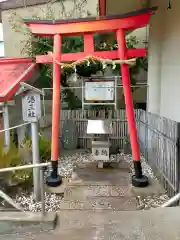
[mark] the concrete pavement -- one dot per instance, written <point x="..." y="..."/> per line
<point x="156" y="224"/>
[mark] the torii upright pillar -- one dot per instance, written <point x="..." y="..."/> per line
<point x="55" y="179"/>
<point x="138" y="179"/>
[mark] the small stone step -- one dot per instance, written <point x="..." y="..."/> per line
<point x="101" y="203"/>
<point x="110" y="176"/>
<point x="19" y="222"/>
<point x="122" y="165"/>
<point x="80" y="192"/>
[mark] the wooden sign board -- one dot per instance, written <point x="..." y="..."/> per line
<point x="99" y="91"/>
<point x="31" y="106"/>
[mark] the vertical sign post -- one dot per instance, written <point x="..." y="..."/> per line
<point x="31" y="105"/>
<point x="6" y="126"/>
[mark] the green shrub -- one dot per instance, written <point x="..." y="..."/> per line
<point x="44" y="147"/>
<point x="22" y="176"/>
<point x="11" y="158"/>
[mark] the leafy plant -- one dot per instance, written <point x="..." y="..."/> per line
<point x="127" y="145"/>
<point x="44" y="147"/>
<point x="22" y="176"/>
<point x="127" y="140"/>
<point x="11" y="158"/>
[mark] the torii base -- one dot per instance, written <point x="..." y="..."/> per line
<point x="54" y="180"/>
<point x="138" y="179"/>
<point x="140" y="182"/>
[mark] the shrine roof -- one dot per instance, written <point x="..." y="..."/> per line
<point x="12" y="72"/>
<point x="90" y="19"/>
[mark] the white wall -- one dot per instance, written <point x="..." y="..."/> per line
<point x="15" y="32"/>
<point x="1" y="41"/>
<point x="1" y="49"/>
<point x="164" y="61"/>
<point x="154" y="59"/>
<point x="170" y="70"/>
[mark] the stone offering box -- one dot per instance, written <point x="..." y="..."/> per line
<point x="100" y="147"/>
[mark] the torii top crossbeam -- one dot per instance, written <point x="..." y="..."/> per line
<point x="87" y="27"/>
<point x="127" y="21"/>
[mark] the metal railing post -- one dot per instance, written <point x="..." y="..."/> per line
<point x="42" y="191"/>
<point x="10" y="169"/>
<point x="171" y="201"/>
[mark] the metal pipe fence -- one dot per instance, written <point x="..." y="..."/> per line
<point x="41" y="166"/>
<point x="171" y="201"/>
<point x="79" y="91"/>
<point x="14" y="127"/>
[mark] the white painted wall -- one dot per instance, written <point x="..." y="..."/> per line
<point x="154" y="54"/>
<point x="1" y="41"/>
<point x="15" y="39"/>
<point x="2" y="49"/>
<point x="164" y="61"/>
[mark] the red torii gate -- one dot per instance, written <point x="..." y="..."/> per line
<point x="87" y="27"/>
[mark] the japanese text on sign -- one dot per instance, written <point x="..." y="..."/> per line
<point x="102" y="152"/>
<point x="31" y="104"/>
<point x="31" y="108"/>
<point x="100" y="91"/>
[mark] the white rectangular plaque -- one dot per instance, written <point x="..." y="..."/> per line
<point x="100" y="154"/>
<point x="99" y="126"/>
<point x="99" y="91"/>
<point x="31" y="107"/>
<point x="100" y="150"/>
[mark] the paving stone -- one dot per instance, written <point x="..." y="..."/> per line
<point x="83" y="192"/>
<point x="94" y="203"/>
<point x="110" y="176"/>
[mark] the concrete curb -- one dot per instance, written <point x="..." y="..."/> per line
<point x="20" y="222"/>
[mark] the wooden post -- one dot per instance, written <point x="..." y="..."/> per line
<point x="55" y="179"/>
<point x="102" y="7"/>
<point x="138" y="179"/>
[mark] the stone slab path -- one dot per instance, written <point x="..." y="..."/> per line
<point x="98" y="204"/>
<point x="94" y="189"/>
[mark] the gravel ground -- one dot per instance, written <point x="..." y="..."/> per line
<point x="147" y="202"/>
<point x="67" y="164"/>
